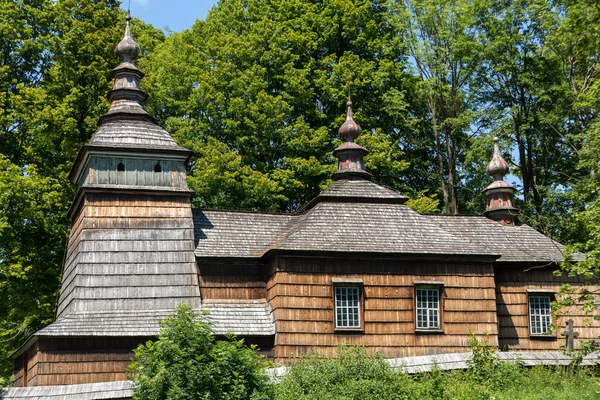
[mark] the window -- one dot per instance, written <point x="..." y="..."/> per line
<point x="121" y="167"/>
<point x="157" y="168"/>
<point x="539" y="314"/>
<point x="347" y="307"/>
<point x="427" y="308"/>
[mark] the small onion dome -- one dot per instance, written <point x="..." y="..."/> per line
<point x="127" y="48"/>
<point x="498" y="167"/>
<point x="350" y="130"/>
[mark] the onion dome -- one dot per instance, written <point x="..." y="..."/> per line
<point x="126" y="97"/>
<point x="350" y="130"/>
<point x="127" y="48"/>
<point x="499" y="193"/>
<point x="498" y="167"/>
<point x="351" y="164"/>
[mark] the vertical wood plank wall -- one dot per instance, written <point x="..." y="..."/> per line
<point x="232" y="280"/>
<point x="301" y="293"/>
<point x="29" y="360"/>
<point x="512" y="288"/>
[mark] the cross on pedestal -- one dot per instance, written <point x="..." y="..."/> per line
<point x="570" y="335"/>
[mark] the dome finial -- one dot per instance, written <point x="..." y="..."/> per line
<point x="127" y="48"/>
<point x="498" y="167"/>
<point x="350" y="130"/>
<point x="351" y="164"/>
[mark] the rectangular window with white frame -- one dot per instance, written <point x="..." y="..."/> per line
<point x="540" y="317"/>
<point x="427" y="308"/>
<point x="347" y="307"/>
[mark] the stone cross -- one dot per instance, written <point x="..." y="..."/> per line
<point x="570" y="335"/>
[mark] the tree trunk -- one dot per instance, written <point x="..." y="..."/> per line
<point x="440" y="157"/>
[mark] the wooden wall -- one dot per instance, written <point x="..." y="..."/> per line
<point x="68" y="361"/>
<point x="301" y="293"/>
<point x="137" y="172"/>
<point x="232" y="280"/>
<point x="124" y="250"/>
<point x="26" y="368"/>
<point x="513" y="284"/>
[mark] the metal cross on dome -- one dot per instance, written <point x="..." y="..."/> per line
<point x="570" y="335"/>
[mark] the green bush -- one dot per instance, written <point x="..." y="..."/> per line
<point x="354" y="375"/>
<point x="186" y="362"/>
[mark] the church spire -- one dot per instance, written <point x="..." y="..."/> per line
<point x="351" y="164"/>
<point x="499" y="193"/>
<point x="126" y="97"/>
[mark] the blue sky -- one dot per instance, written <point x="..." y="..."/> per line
<point x="175" y="15"/>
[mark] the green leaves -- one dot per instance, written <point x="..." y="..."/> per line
<point x="267" y="82"/>
<point x="186" y="362"/>
<point x="33" y="234"/>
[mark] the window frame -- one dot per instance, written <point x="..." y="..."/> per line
<point x="439" y="287"/>
<point x="539" y="294"/>
<point x="354" y="285"/>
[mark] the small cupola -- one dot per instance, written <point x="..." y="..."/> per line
<point x="351" y="164"/>
<point x="500" y="193"/>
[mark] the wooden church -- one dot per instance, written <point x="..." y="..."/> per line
<point x="355" y="266"/>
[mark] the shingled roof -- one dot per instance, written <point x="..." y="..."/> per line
<point x="244" y="318"/>
<point x="359" y="216"/>
<point x="88" y="391"/>
<point x="132" y="134"/>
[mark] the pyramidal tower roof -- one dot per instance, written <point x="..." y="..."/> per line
<point x="127" y="123"/>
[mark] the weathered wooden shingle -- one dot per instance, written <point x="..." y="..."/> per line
<point x="233" y="234"/>
<point x="362" y="217"/>
<point x="130" y="252"/>
<point x="133" y="134"/>
<point x="244" y="318"/>
<point x="519" y="243"/>
<point x="90" y="391"/>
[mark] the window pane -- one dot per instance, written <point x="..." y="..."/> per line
<point x="428" y="308"/>
<point x="539" y="314"/>
<point x="347" y="307"/>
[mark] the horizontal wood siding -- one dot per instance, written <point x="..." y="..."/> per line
<point x="513" y="284"/>
<point x="232" y="280"/>
<point x="301" y="293"/>
<point x="128" y="252"/>
<point x="81" y="360"/>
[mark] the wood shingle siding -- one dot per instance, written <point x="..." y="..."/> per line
<point x="118" y="390"/>
<point x="514" y="285"/>
<point x="130" y="253"/>
<point x="301" y="294"/>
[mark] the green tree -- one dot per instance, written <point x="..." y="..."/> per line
<point x="258" y="90"/>
<point x="186" y="362"/>
<point x="438" y="34"/>
<point x="32" y="239"/>
<point x="55" y="62"/>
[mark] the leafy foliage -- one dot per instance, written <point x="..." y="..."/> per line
<point x="355" y="375"/>
<point x="186" y="362"/>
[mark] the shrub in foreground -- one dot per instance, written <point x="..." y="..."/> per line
<point x="186" y="362"/>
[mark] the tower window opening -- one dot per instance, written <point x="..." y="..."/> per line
<point x="157" y="168"/>
<point x="121" y="167"/>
